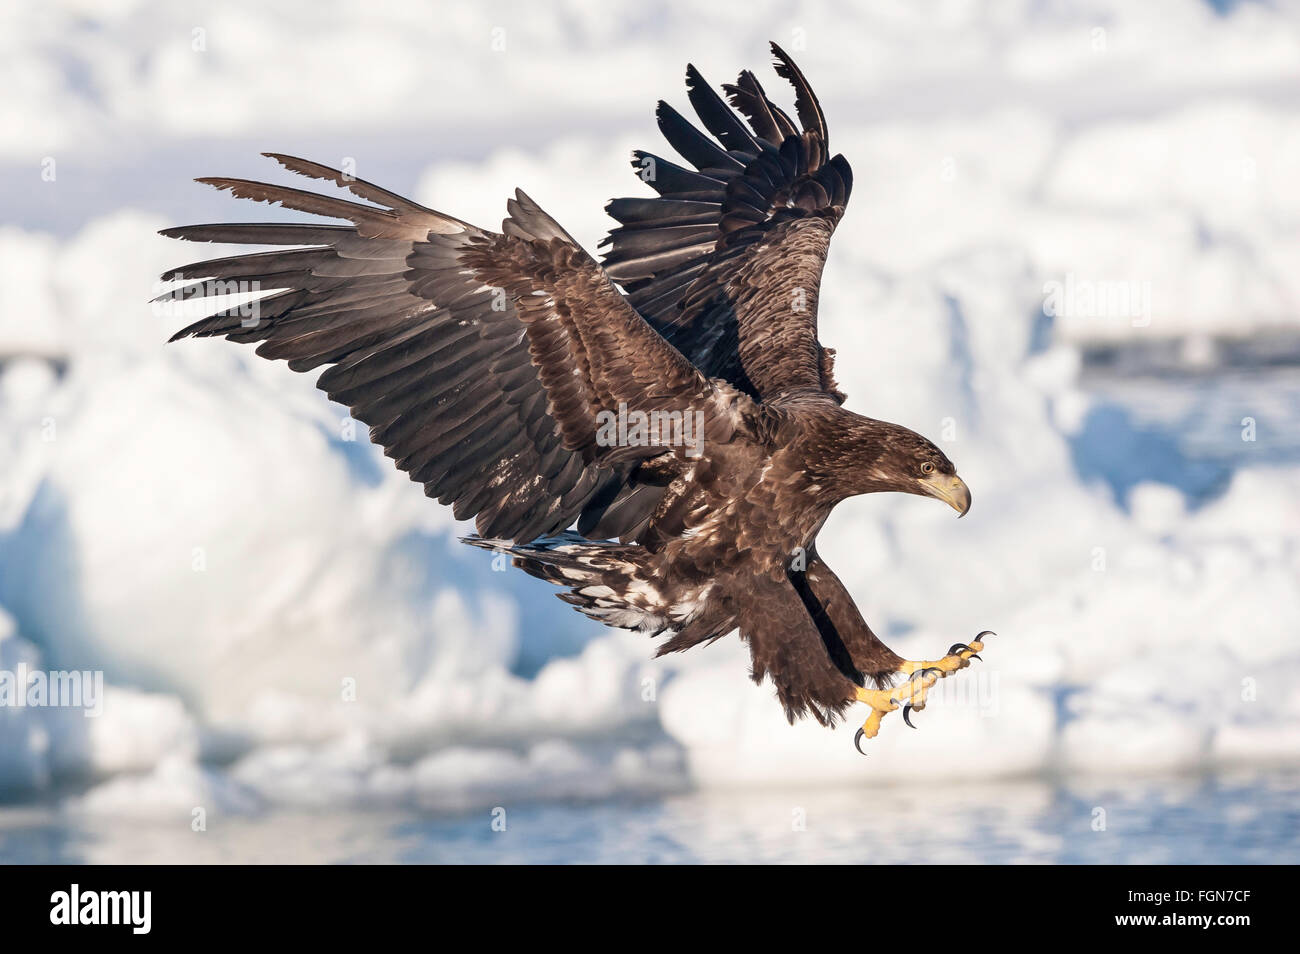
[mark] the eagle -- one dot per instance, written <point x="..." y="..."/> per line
<point x="658" y="432"/>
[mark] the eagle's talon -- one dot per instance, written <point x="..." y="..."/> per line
<point x="919" y="690"/>
<point x="882" y="702"/>
<point x="906" y="711"/>
<point x="911" y="695"/>
<point x="921" y="677"/>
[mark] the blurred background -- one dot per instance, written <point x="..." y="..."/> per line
<point x="1071" y="258"/>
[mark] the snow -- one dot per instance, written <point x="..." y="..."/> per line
<point x="284" y="621"/>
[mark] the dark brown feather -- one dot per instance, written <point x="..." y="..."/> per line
<point x="688" y="278"/>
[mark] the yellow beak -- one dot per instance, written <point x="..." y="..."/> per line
<point x="949" y="488"/>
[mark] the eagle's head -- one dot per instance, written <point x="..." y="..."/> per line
<point x="906" y="462"/>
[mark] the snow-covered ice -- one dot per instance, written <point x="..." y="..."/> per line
<point x="284" y="621"/>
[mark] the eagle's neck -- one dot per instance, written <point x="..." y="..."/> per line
<point x="851" y="455"/>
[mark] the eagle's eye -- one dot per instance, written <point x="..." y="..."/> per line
<point x="927" y="468"/>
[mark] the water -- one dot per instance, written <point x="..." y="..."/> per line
<point x="1242" y="817"/>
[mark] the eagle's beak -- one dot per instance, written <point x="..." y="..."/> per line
<point x="949" y="488"/>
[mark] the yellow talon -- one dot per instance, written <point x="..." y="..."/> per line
<point x="948" y="664"/>
<point x="882" y="701"/>
<point x="912" y="693"/>
<point x="872" y="725"/>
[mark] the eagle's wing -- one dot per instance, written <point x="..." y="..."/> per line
<point x="479" y="360"/>
<point x="726" y="263"/>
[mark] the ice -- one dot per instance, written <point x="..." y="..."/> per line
<point x="284" y="621"/>
<point x="177" y="790"/>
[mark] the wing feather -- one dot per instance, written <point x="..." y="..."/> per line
<point x="417" y="348"/>
<point x="480" y="360"/>
<point x="726" y="263"/>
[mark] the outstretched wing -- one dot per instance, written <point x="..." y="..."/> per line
<point x="479" y="360"/>
<point x="726" y="263"/>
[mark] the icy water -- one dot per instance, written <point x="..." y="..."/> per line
<point x="1245" y="818"/>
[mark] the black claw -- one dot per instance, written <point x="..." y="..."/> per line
<point x="907" y="709"/>
<point x="957" y="648"/>
<point x="987" y="632"/>
<point x="857" y="742"/>
<point x="974" y="656"/>
<point x="931" y="669"/>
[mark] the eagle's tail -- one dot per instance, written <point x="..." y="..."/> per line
<point x="613" y="583"/>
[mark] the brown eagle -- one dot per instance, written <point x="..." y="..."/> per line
<point x="659" y="432"/>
